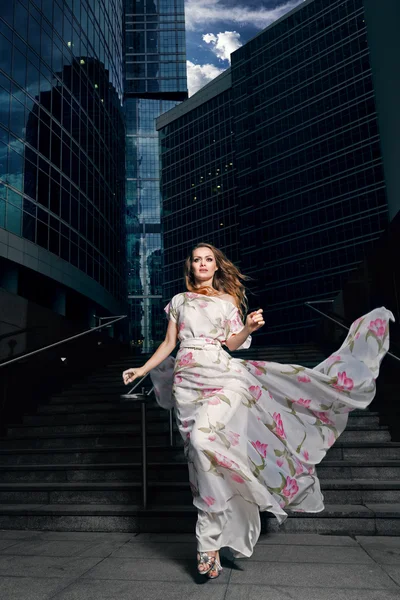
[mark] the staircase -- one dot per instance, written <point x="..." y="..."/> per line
<point x="75" y="465"/>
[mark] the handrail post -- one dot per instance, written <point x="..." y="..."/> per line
<point x="144" y="452"/>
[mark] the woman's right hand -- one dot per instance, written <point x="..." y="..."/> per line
<point x="131" y="374"/>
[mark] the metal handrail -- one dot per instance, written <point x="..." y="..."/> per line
<point x="73" y="337"/>
<point x="309" y="304"/>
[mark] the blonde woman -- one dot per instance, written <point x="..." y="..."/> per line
<point x="253" y="431"/>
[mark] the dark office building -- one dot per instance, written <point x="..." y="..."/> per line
<point x="155" y="82"/>
<point x="312" y="158"/>
<point x="198" y="184"/>
<point x="62" y="155"/>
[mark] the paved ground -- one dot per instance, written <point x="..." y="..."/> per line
<point x="116" y="566"/>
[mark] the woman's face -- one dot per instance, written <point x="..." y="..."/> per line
<point x="203" y="266"/>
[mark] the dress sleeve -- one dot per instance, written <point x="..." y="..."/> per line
<point x="235" y="325"/>
<point x="172" y="310"/>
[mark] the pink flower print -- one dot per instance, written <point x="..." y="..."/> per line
<point x="304" y="378"/>
<point x="291" y="488"/>
<point x="334" y="358"/>
<point x="261" y="448"/>
<point x="178" y="379"/>
<point x="185" y="424"/>
<point x="191" y="295"/>
<point x="299" y="467"/>
<point x="237" y="478"/>
<point x="203" y="304"/>
<point x="322" y="417"/>
<point x="233" y="437"/>
<point x="256" y="364"/>
<point x="186" y="359"/>
<point x="306" y="455"/>
<point x="279" y="462"/>
<point x="344" y="383"/>
<point x="214" y="401"/>
<point x="224" y="461"/>
<point x="279" y="425"/>
<point x="209" y="392"/>
<point x="282" y="503"/>
<point x="212" y="437"/>
<point x="182" y="326"/>
<point x="357" y="336"/>
<point x="209" y="500"/>
<point x="304" y="402"/>
<point x="378" y="327"/>
<point x="255" y="391"/>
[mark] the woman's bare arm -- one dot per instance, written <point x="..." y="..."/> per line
<point x="164" y="350"/>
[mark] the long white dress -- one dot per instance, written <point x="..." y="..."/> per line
<point x="253" y="431"/>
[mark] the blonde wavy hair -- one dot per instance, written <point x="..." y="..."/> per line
<point x="227" y="279"/>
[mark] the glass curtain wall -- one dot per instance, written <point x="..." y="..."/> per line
<point x="62" y="134"/>
<point x="155" y="82"/>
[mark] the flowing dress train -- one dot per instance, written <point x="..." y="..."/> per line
<point x="253" y="431"/>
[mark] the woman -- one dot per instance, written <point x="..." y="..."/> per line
<point x="253" y="430"/>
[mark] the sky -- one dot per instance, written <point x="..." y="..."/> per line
<point x="216" y="28"/>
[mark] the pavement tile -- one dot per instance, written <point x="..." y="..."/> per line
<point x="142" y="590"/>
<point x="7" y="544"/>
<point x="384" y="550"/>
<point x="306" y="539"/>
<point x="51" y="548"/>
<point x="394" y="572"/>
<point x="306" y="575"/>
<point x="157" y="550"/>
<point x="87" y="536"/>
<point x="378" y="540"/>
<point x="261" y="592"/>
<point x="30" y="588"/>
<point x="164" y="537"/>
<point x="149" y="570"/>
<point x="45" y="566"/>
<point x="10" y="534"/>
<point x="103" y="550"/>
<point x="310" y="554"/>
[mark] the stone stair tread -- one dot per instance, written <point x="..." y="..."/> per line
<point x="327" y="484"/>
<point x="154" y="463"/>
<point x="159" y="448"/>
<point x="330" y="511"/>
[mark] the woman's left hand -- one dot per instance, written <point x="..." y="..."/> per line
<point x="255" y="320"/>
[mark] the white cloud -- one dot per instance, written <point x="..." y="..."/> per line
<point x="199" y="13"/>
<point x="224" y="43"/>
<point x="199" y="75"/>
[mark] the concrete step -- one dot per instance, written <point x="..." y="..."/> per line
<point x="164" y="470"/>
<point x="94" y="449"/>
<point x="339" y="519"/>
<point x="167" y="493"/>
<point x="366" y="420"/>
<point x="106" y="424"/>
<point x="90" y="440"/>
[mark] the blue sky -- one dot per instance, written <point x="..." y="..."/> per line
<point x="215" y="28"/>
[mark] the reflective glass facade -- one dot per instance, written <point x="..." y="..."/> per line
<point x="309" y="177"/>
<point x="62" y="133"/>
<point x="198" y="184"/>
<point x="155" y="82"/>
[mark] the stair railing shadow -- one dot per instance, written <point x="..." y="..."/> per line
<point x="30" y="378"/>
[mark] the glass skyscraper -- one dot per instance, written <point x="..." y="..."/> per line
<point x="309" y="193"/>
<point x="155" y="81"/>
<point x="62" y="149"/>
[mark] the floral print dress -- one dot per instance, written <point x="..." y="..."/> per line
<point x="253" y="431"/>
